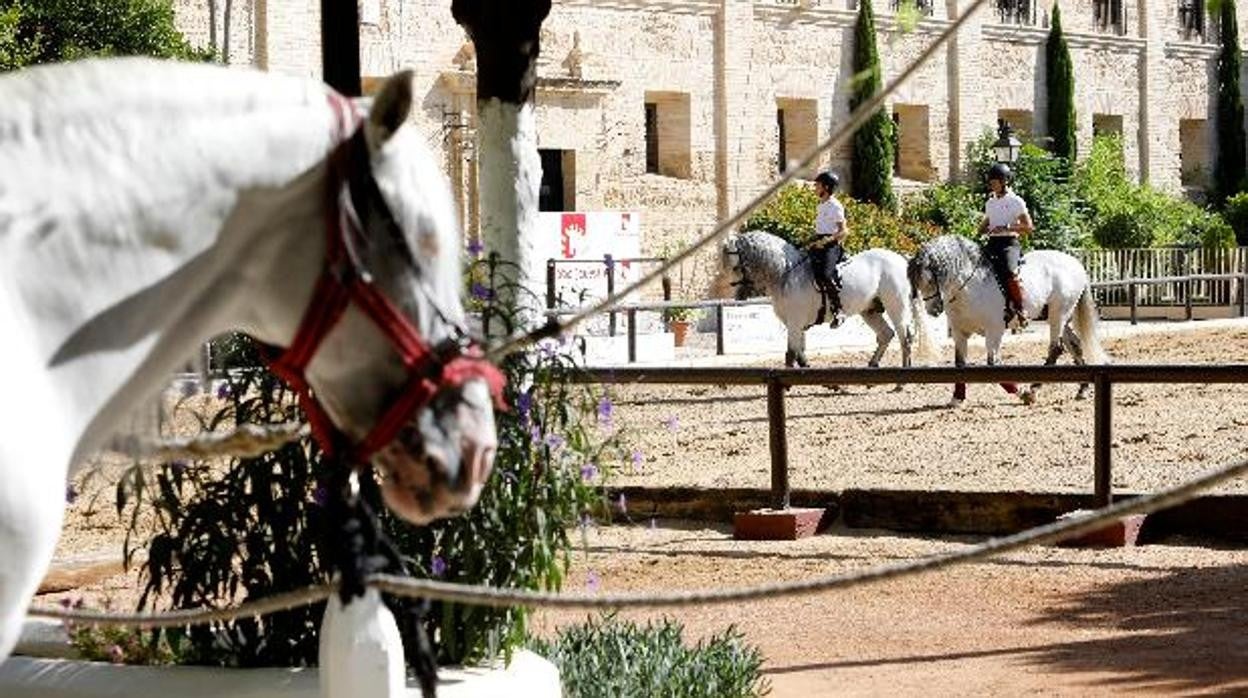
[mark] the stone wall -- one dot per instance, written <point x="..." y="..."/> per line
<point x="723" y="68"/>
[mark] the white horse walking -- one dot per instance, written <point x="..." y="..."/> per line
<point x="873" y="285"/>
<point x="147" y="206"/>
<point x="951" y="275"/>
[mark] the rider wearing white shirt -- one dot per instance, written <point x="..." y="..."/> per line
<point x="825" y="248"/>
<point x="1005" y="218"/>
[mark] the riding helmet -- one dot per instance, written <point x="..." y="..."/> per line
<point x="828" y="179"/>
<point x="1000" y="171"/>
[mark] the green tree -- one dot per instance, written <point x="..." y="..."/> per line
<point x="871" y="168"/>
<point x="1060" y="87"/>
<point x="1228" y="171"/>
<point x="46" y="31"/>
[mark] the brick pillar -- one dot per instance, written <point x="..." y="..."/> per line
<point x="1159" y="132"/>
<point x="737" y="131"/>
<point x="970" y="111"/>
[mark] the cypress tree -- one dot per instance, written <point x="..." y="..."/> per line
<point x="871" y="168"/>
<point x="1228" y="171"/>
<point x="1060" y="85"/>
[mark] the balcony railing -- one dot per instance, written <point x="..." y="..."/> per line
<point x="1016" y="11"/>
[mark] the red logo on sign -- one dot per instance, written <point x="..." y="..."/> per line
<point x="570" y="229"/>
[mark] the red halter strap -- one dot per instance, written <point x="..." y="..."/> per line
<point x="343" y="282"/>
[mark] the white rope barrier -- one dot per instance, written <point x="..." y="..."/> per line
<point x="497" y="597"/>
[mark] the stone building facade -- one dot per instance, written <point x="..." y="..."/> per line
<point x="684" y="109"/>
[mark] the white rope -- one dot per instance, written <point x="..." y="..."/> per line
<point x="496" y="597"/>
<point x="244" y="441"/>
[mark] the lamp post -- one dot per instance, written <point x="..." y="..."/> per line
<point x="1007" y="147"/>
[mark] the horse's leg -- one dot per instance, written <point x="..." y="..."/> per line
<point x="993" y="343"/>
<point x="883" y="335"/>
<point x="959" y="360"/>
<point x="796" y="353"/>
<point x="1055" y="345"/>
<point x="1075" y="347"/>
<point x="32" y="504"/>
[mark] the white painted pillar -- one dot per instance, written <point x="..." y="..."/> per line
<point x="361" y="651"/>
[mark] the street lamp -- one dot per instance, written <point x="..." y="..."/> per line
<point x="1007" y="147"/>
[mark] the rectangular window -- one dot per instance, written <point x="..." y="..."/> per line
<point x="914" y="146"/>
<point x="1194" y="152"/>
<point x="552" y="193"/>
<point x="652" y="138"/>
<point x="798" y="131"/>
<point x="668" y="134"/>
<point x="925" y="7"/>
<point x="1108" y="16"/>
<point x="1016" y="11"/>
<point x="1020" y="120"/>
<point x="370" y="12"/>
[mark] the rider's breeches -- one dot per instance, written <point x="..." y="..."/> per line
<point x="825" y="263"/>
<point x="1003" y="254"/>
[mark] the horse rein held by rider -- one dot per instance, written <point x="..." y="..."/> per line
<point x="345" y="280"/>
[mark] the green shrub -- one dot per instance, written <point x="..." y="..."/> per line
<point x="1210" y="231"/>
<point x="261" y="527"/>
<point x="790" y="214"/>
<point x="953" y="207"/>
<point x="1236" y="214"/>
<point x="608" y="657"/>
<point x="872" y="226"/>
<point x="1120" y="229"/>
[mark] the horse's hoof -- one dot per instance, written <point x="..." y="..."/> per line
<point x="898" y="388"/>
<point x="1081" y="395"/>
<point x="955" y="403"/>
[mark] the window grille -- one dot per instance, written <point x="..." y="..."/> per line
<point x="1016" y="11"/>
<point x="925" y="7"/>
<point x="1107" y="15"/>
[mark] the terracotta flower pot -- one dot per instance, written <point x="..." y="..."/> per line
<point x="679" y="328"/>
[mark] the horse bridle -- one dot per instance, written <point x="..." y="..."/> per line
<point x="345" y="280"/>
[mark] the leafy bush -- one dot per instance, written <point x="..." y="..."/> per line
<point x="608" y="657"/>
<point x="872" y="226"/>
<point x="953" y="207"/>
<point x="261" y="527"/>
<point x="1120" y="229"/>
<point x="45" y="31"/>
<point x="1236" y="214"/>
<point x="791" y="215"/>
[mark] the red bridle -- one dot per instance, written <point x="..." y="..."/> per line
<point x="343" y="281"/>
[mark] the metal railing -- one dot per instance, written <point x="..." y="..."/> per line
<point x="1103" y="378"/>
<point x="609" y="263"/>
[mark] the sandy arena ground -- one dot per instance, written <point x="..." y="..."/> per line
<point x="1164" y="618"/>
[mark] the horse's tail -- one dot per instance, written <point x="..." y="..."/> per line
<point x="1085" y="321"/>
<point x="925" y="349"/>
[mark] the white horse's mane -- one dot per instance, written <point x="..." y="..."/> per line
<point x="767" y="258"/>
<point x="950" y="257"/>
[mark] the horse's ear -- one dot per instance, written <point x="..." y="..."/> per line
<point x="390" y="109"/>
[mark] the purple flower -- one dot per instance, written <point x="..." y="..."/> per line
<point x="70" y="494"/>
<point x="605" y="409"/>
<point x="589" y="471"/>
<point x="115" y="654"/>
<point x="554" y="441"/>
<point x="481" y="292"/>
<point x="223" y="391"/>
<point x="672" y="423"/>
<point x="592" y="581"/>
<point x="475" y="248"/>
<point x="524" y="404"/>
<point x="320" y="496"/>
<point x="437" y="566"/>
<point x="638" y="459"/>
<point x="610" y="262"/>
<point x="535" y="434"/>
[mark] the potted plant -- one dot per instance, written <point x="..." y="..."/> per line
<point x="678" y="320"/>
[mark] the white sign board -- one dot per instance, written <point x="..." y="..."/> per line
<point x="580" y="242"/>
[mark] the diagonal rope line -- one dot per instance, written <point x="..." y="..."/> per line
<point x="856" y="120"/>
<point x="1043" y="535"/>
<point x="199" y="616"/>
<point x="244" y="441"/>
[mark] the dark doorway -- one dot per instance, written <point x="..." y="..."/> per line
<point x="550" y="195"/>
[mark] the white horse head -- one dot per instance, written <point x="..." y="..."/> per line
<point x="873" y="285"/>
<point x="148" y="206"/>
<point x="950" y="274"/>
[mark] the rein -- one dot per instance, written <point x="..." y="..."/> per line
<point x="344" y="281"/>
